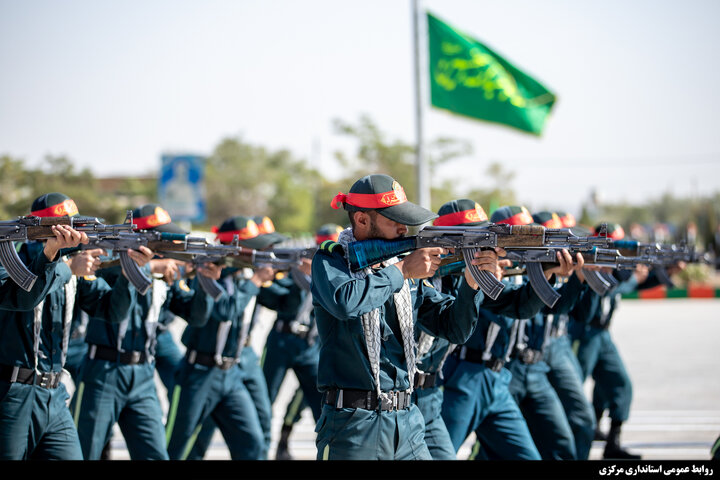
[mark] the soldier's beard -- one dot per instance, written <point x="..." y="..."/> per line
<point x="375" y="232"/>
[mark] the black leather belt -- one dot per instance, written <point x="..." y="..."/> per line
<point x="475" y="356"/>
<point x="366" y="399"/>
<point x="295" y="328"/>
<point x="28" y="376"/>
<point x="528" y="356"/>
<point x="207" y="360"/>
<point x="132" y="357"/>
<point x="425" y="380"/>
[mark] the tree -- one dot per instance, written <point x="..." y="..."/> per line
<point x="500" y="193"/>
<point x="375" y="154"/>
<point x="245" y="179"/>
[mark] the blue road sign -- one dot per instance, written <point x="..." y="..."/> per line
<point x="181" y="187"/>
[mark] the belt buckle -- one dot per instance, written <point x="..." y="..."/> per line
<point x="135" y="356"/>
<point x="496" y="364"/>
<point x="45" y="379"/>
<point x="388" y="402"/>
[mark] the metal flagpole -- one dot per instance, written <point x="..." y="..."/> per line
<point x="423" y="185"/>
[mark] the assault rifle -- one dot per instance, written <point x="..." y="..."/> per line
<point x="196" y="250"/>
<point x="31" y="227"/>
<point x="284" y="259"/>
<point x="468" y="240"/>
<point x="660" y="256"/>
<point x="179" y="246"/>
<point x="600" y="282"/>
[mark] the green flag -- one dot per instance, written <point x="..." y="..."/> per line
<point x="468" y="78"/>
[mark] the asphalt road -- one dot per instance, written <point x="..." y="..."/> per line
<point x="670" y="348"/>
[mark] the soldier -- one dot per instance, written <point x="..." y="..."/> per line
<point x="597" y="354"/>
<point x="530" y="385"/>
<point x="366" y="324"/>
<point x="565" y="374"/>
<point x="35" y="422"/>
<point x="477" y="395"/>
<point x="168" y="355"/>
<point x="117" y="381"/>
<point x="291" y="342"/>
<point x="209" y="382"/>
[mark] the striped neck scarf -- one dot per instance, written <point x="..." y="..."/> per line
<point x="371" y="322"/>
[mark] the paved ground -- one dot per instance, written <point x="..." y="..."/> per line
<point x="670" y="348"/>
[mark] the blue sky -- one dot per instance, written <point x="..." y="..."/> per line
<point x="115" y="84"/>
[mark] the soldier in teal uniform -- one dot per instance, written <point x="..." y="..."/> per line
<point x="254" y="377"/>
<point x="597" y="354"/>
<point x="476" y="394"/>
<point x="168" y="355"/>
<point x="366" y="324"/>
<point x="211" y="379"/>
<point x="291" y="342"/>
<point x="117" y="381"/>
<point x="35" y="422"/>
<point x="565" y="374"/>
<point x="529" y="385"/>
<point x="250" y="365"/>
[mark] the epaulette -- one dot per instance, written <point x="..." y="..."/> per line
<point x="89" y="278"/>
<point x="329" y="247"/>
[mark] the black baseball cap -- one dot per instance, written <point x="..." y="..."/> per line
<point x="383" y="194"/>
<point x="266" y="227"/>
<point x="512" y="215"/>
<point x="567" y="219"/>
<point x="329" y="231"/>
<point x="547" y="219"/>
<point x="54" y="204"/>
<point x="246" y="230"/>
<point x="152" y="216"/>
<point x="461" y="212"/>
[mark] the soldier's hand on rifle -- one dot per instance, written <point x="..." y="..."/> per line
<point x="422" y="263"/>
<point x="167" y="267"/>
<point x="677" y="268"/>
<point x="65" y="237"/>
<point x="263" y="275"/>
<point x="85" y="262"/>
<point x="565" y="267"/>
<point x="502" y="265"/>
<point x="305" y="265"/>
<point x="210" y="270"/>
<point x="641" y="273"/>
<point x="142" y="255"/>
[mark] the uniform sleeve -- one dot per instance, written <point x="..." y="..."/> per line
<point x="449" y="317"/>
<point x="270" y="297"/>
<point x="515" y="301"/>
<point x="192" y="304"/>
<point x="346" y="297"/>
<point x="570" y="293"/>
<point x="627" y="286"/>
<point x="98" y="299"/>
<point x="586" y="307"/>
<point x="15" y="298"/>
<point x="652" y="281"/>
